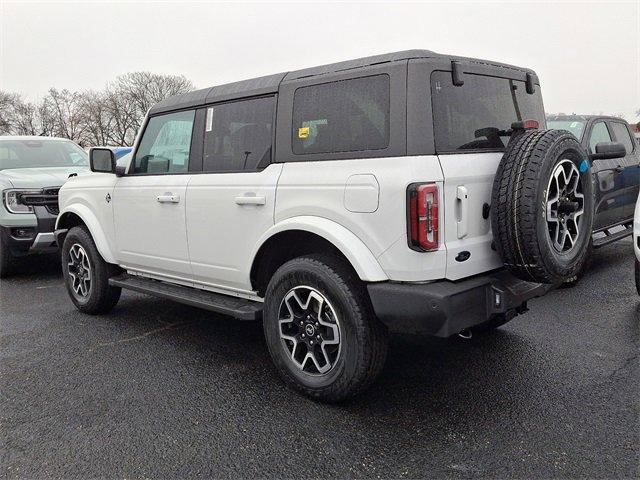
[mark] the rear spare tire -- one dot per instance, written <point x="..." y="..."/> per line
<point x="542" y="206"/>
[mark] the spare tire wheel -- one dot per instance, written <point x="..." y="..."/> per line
<point x="542" y="206"/>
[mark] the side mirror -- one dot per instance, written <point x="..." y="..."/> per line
<point x="608" y="150"/>
<point x="102" y="160"/>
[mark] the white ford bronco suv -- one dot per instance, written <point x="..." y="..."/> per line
<point x="408" y="192"/>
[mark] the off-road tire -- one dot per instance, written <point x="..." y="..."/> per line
<point x="518" y="212"/>
<point x="363" y="336"/>
<point x="101" y="297"/>
<point x="7" y="261"/>
<point x="577" y="278"/>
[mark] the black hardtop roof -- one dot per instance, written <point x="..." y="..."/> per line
<point x="270" y="83"/>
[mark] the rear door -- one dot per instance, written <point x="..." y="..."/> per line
<point x="630" y="164"/>
<point x="468" y="122"/>
<point x="231" y="202"/>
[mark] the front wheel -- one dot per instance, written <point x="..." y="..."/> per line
<point x="86" y="274"/>
<point x="320" y="328"/>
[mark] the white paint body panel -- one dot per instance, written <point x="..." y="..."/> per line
<point x="210" y="237"/>
<point x="227" y="214"/>
<point x="317" y="189"/>
<point x="468" y="175"/>
<point x="85" y="196"/>
<point x="152" y="236"/>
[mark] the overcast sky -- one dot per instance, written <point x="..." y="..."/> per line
<point x="587" y="54"/>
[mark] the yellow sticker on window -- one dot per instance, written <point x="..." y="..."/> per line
<point x="303" y="132"/>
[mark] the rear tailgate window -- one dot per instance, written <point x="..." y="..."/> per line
<point x="472" y="116"/>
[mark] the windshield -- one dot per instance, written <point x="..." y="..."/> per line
<point x="41" y="153"/>
<point x="575" y="127"/>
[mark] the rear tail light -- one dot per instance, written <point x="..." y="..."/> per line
<point x="422" y="216"/>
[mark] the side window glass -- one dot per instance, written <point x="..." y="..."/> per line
<point x="166" y="144"/>
<point x="599" y="133"/>
<point x="622" y="135"/>
<point x="238" y="135"/>
<point x="344" y="116"/>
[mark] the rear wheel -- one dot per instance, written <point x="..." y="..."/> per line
<point x="86" y="274"/>
<point x="320" y="329"/>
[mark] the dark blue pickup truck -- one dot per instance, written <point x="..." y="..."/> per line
<point x="616" y="181"/>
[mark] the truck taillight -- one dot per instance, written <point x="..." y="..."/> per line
<point x="422" y="213"/>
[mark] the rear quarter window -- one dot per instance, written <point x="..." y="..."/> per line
<point x="343" y="116"/>
<point x="475" y="115"/>
<point x="622" y="135"/>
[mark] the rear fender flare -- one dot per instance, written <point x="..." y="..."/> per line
<point x="361" y="258"/>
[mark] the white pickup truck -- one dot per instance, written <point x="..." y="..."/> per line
<point x="412" y="192"/>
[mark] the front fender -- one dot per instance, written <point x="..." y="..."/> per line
<point x="92" y="223"/>
<point x="360" y="257"/>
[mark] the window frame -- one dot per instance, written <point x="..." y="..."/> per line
<point x="131" y="168"/>
<point x="615" y="136"/>
<point x="204" y="108"/>
<point x="605" y="122"/>
<point x="352" y="152"/>
<point x="397" y="147"/>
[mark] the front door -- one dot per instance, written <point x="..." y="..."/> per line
<point x="149" y="202"/>
<point x="231" y="203"/>
<point x="631" y="168"/>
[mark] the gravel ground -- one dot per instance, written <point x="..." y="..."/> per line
<point x="160" y="390"/>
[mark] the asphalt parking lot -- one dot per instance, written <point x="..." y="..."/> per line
<point x="160" y="390"/>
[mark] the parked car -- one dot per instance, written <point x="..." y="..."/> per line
<point x="616" y="181"/>
<point x="636" y="244"/>
<point x="376" y="195"/>
<point x="32" y="169"/>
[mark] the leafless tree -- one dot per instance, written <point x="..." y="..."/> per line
<point x="109" y="117"/>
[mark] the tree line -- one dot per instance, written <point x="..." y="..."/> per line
<point x="111" y="116"/>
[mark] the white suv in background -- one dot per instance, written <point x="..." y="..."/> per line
<point x="338" y="203"/>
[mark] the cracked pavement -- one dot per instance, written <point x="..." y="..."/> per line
<point x="157" y="389"/>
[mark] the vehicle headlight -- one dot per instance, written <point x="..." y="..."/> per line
<point x="13" y="202"/>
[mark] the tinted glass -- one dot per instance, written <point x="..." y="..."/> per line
<point x="344" y="116"/>
<point x="41" y="153"/>
<point x="575" y="127"/>
<point x="622" y="135"/>
<point x="238" y="135"/>
<point x="475" y="115"/>
<point x="166" y="144"/>
<point x="599" y="133"/>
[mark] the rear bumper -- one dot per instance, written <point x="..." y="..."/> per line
<point x="445" y="308"/>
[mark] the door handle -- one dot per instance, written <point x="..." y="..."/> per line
<point x="250" y="200"/>
<point x="168" y="198"/>
<point x="462" y="197"/>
